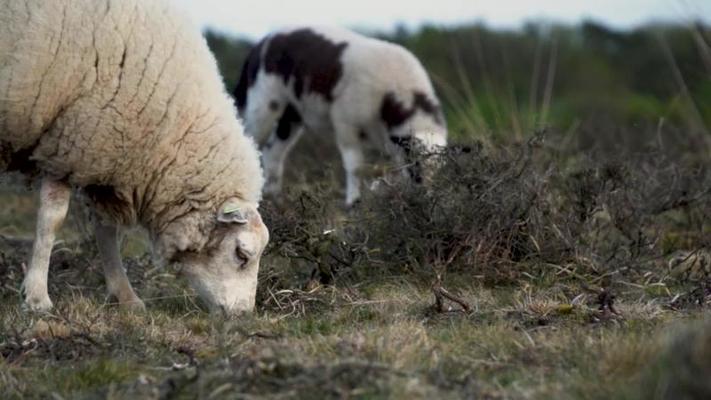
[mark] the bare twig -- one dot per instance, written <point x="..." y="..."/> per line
<point x="441" y="294"/>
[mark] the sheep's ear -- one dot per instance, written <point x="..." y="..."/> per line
<point x="230" y="213"/>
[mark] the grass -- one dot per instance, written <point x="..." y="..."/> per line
<point x="535" y="328"/>
<point x="379" y="341"/>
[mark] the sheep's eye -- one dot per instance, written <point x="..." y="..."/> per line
<point x="242" y="257"/>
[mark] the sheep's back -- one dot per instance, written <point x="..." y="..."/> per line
<point x="90" y="88"/>
<point x="41" y="69"/>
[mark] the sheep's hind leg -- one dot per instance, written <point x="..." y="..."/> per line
<point x="280" y="143"/>
<point x="54" y="203"/>
<point x="117" y="283"/>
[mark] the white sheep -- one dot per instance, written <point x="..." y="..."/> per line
<point x="122" y="100"/>
<point x="333" y="80"/>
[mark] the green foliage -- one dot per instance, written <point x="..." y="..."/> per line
<point x="93" y="375"/>
<point x="230" y="53"/>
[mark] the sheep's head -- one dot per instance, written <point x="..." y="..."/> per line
<point x="224" y="272"/>
<point x="416" y="134"/>
<point x="418" y="151"/>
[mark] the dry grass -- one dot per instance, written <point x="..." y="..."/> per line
<point x="381" y="340"/>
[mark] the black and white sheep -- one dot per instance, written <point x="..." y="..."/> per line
<point x="123" y="100"/>
<point x="330" y="79"/>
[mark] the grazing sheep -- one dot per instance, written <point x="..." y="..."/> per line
<point x="122" y="100"/>
<point x="328" y="79"/>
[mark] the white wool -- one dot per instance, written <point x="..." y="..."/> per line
<point x="123" y="98"/>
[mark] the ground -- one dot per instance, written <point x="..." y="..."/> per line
<point x="550" y="331"/>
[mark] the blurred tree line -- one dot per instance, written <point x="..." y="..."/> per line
<point x="504" y="82"/>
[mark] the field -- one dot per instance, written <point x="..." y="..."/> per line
<point x="568" y="264"/>
<point x="555" y="275"/>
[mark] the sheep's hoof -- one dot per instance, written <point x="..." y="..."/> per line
<point x="129" y="302"/>
<point x="136" y="305"/>
<point x="353" y="205"/>
<point x="37" y="304"/>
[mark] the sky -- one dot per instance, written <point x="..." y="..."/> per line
<point x="255" y="18"/>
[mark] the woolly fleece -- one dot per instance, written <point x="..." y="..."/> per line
<point x="123" y="99"/>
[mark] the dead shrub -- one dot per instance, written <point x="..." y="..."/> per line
<point x="503" y="212"/>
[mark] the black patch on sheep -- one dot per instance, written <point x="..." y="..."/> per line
<point x="309" y="60"/>
<point x="393" y="113"/>
<point x="248" y="77"/>
<point x="289" y="121"/>
<point x="426" y="105"/>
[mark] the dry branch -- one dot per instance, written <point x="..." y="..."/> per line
<point x="441" y="294"/>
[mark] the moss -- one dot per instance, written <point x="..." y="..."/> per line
<point x="88" y="376"/>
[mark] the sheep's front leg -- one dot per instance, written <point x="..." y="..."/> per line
<point x="54" y="203"/>
<point x="353" y="159"/>
<point x="117" y="283"/>
<point x="274" y="155"/>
